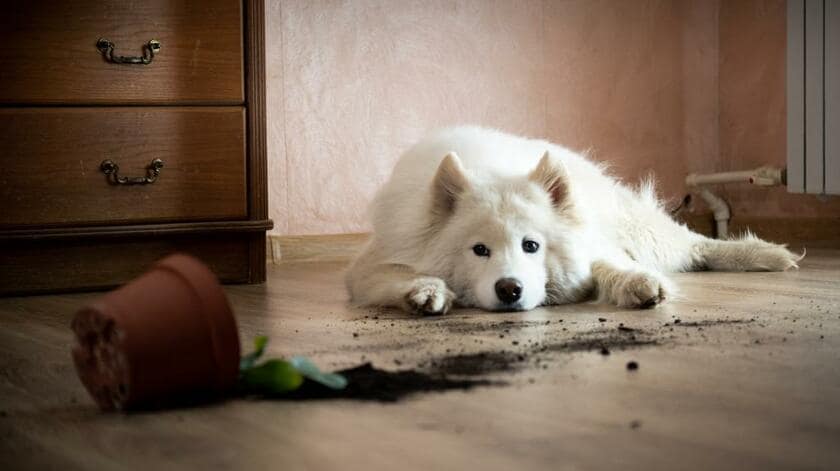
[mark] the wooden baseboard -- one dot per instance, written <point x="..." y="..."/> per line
<point x="796" y="232"/>
<point x="314" y="248"/>
<point x="822" y="232"/>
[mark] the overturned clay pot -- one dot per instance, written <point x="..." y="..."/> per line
<point x="166" y="337"/>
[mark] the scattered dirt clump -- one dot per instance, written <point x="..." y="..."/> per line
<point x="366" y="383"/>
<point x="711" y="322"/>
<point x="476" y="364"/>
<point x="601" y="340"/>
<point x="532" y="346"/>
<point x="463" y="327"/>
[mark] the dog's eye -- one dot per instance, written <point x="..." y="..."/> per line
<point x="530" y="246"/>
<point x="481" y="250"/>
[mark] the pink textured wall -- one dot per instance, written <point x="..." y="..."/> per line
<point x="352" y="84"/>
<point x="753" y="108"/>
<point x="634" y="81"/>
<point x="668" y="87"/>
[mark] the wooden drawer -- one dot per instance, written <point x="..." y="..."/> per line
<point x="31" y="266"/>
<point x="51" y="165"/>
<point x="198" y="106"/>
<point x="48" y="52"/>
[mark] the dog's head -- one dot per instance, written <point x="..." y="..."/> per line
<point x="504" y="239"/>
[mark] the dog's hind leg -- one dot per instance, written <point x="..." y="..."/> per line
<point x="748" y="253"/>
<point x="398" y="286"/>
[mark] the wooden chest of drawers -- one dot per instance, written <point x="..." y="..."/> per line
<point x="129" y="130"/>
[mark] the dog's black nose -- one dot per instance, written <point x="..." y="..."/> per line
<point x="509" y="290"/>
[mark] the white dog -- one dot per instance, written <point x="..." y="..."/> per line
<point x="482" y="218"/>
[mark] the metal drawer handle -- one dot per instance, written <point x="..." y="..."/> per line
<point x="111" y="169"/>
<point x="149" y="50"/>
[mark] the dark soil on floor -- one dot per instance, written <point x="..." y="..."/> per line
<point x="710" y="323"/>
<point x="460" y="371"/>
<point x="476" y="364"/>
<point x="466" y="370"/>
<point x="467" y="327"/>
<point x="603" y="339"/>
<point x="367" y="383"/>
<point x="498" y="361"/>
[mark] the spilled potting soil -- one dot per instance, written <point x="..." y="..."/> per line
<point x="710" y="323"/>
<point x="622" y="338"/>
<point x="367" y="383"/>
<point x="476" y="364"/>
<point x="464" y="371"/>
<point x="464" y="368"/>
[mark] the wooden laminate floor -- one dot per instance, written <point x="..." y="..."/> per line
<point x="748" y="379"/>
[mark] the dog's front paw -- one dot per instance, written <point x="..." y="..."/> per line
<point x="639" y="290"/>
<point x="429" y="296"/>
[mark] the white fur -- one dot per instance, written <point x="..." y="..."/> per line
<point x="597" y="236"/>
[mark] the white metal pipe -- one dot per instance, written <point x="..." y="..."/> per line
<point x="712" y="178"/>
<point x="720" y="210"/>
<point x="763" y="176"/>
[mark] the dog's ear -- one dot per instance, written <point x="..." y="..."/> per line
<point x="449" y="183"/>
<point x="551" y="175"/>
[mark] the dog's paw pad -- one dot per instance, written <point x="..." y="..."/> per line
<point x="430" y="297"/>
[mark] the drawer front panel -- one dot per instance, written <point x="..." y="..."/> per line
<point x="49" y="54"/>
<point x="42" y="267"/>
<point x="51" y="165"/>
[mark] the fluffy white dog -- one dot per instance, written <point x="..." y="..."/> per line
<point x="477" y="217"/>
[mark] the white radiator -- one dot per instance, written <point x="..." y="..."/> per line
<point x="813" y="96"/>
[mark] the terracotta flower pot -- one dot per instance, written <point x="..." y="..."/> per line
<point x="166" y="337"/>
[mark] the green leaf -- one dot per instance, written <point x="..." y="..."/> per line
<point x="259" y="347"/>
<point x="271" y="377"/>
<point x="280" y="376"/>
<point x="308" y="369"/>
